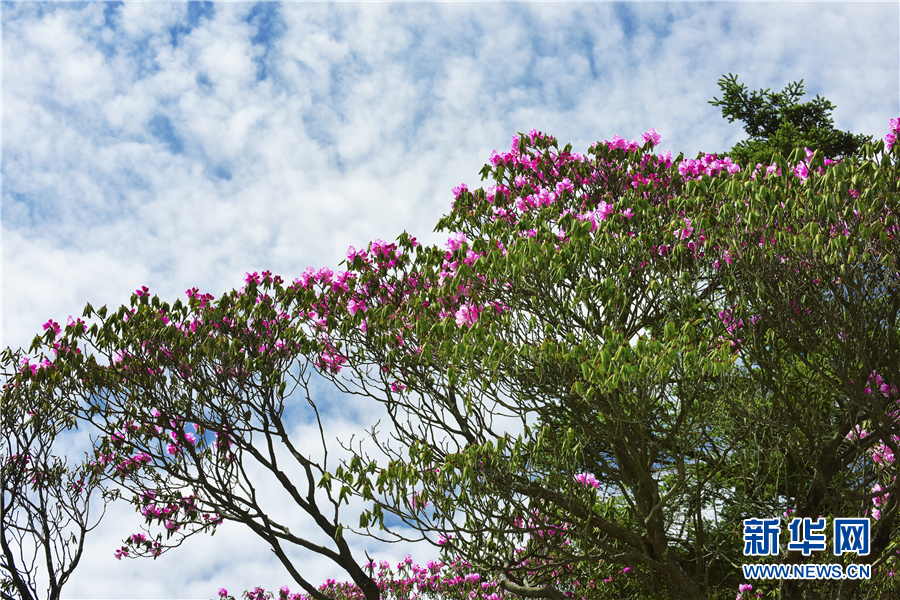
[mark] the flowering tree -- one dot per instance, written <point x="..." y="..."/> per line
<point x="45" y="508"/>
<point x="590" y="298"/>
<point x="580" y="345"/>
<point x="190" y="399"/>
<point x="815" y="299"/>
<point x="561" y="378"/>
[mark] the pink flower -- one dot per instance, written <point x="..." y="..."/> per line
<point x="466" y="315"/>
<point x="604" y="210"/>
<point x="618" y="143"/>
<point x="379" y="247"/>
<point x="686" y="232"/>
<point x="324" y="276"/>
<point x="856" y="433"/>
<point x="455" y="241"/>
<point x="891" y="138"/>
<point x="354" y="306"/>
<point x="303" y="282"/>
<point x="652" y="135"/>
<point x="879" y="501"/>
<point x="340" y="282"/>
<point x="666" y="158"/>
<point x="882" y="453"/>
<point x="587" y="479"/>
<point x="51" y="324"/>
<point x="564" y="185"/>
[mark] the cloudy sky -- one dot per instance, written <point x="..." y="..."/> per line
<point x="179" y="145"/>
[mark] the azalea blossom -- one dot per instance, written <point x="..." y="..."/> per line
<point x="354" y="306"/>
<point x="455" y="241"/>
<point x="686" y="232"/>
<point x="466" y="315"/>
<point x="651" y="135"/>
<point x="587" y="479"/>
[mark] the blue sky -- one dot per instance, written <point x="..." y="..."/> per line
<point x="176" y="145"/>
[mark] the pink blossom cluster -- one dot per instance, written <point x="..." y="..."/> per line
<point x="881" y="452"/>
<point x="438" y="579"/>
<point x="587" y="479"/>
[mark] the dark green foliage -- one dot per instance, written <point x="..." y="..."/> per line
<point x="779" y="123"/>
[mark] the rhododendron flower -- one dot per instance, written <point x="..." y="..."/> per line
<point x="618" y="143"/>
<point x="459" y="190"/>
<point x="651" y="135"/>
<point x="587" y="479"/>
<point x="355" y="305"/>
<point x="891" y="138"/>
<point x="51" y="324"/>
<point x="686" y="232"/>
<point x="856" y="433"/>
<point x="455" y="241"/>
<point x="882" y="453"/>
<point x="379" y="247"/>
<point x="604" y="210"/>
<point x="466" y="315"/>
<point x="352" y="253"/>
<point x="879" y="501"/>
<point x="324" y="275"/>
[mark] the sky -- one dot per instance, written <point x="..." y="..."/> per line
<point x="176" y="145"/>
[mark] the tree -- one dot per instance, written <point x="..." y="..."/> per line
<point x="824" y="298"/>
<point x="222" y="373"/>
<point x="779" y="123"/>
<point x="553" y="303"/>
<point x="45" y="505"/>
<point x="595" y="306"/>
<point x="565" y="320"/>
